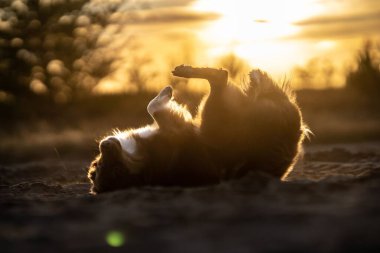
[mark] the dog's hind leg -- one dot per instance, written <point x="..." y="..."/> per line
<point x="220" y="113"/>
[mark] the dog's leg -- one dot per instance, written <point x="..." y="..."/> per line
<point x="221" y="113"/>
<point x="160" y="102"/>
<point x="168" y="114"/>
<point x="217" y="77"/>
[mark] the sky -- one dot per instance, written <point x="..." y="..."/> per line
<point x="274" y="35"/>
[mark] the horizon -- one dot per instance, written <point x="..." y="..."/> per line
<point x="261" y="34"/>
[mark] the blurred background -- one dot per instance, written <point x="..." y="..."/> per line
<point x="71" y="71"/>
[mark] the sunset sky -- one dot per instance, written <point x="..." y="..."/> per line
<point x="273" y="35"/>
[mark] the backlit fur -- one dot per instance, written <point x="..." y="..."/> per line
<point x="235" y="132"/>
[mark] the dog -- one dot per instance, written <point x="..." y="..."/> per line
<point x="236" y="131"/>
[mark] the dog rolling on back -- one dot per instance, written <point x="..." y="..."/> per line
<point x="235" y="132"/>
<point x="168" y="152"/>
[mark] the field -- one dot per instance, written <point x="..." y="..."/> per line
<point x="329" y="204"/>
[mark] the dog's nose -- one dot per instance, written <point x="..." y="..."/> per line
<point x="109" y="144"/>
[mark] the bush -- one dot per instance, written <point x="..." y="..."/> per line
<point x="365" y="78"/>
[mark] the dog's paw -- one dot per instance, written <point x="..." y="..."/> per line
<point x="183" y="71"/>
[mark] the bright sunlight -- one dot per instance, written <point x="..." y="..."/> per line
<point x="256" y="30"/>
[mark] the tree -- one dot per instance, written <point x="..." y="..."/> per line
<point x="52" y="48"/>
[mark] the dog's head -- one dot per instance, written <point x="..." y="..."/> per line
<point x="116" y="166"/>
<point x="129" y="158"/>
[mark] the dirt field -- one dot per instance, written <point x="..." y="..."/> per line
<point x="330" y="204"/>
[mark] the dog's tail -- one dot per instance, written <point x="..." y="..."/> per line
<point x="262" y="86"/>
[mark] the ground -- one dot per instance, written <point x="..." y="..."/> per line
<point x="330" y="204"/>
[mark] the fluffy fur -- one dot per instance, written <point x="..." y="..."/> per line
<point x="235" y="132"/>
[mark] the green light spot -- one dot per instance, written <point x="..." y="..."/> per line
<point x="115" y="238"/>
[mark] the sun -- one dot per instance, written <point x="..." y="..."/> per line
<point x="254" y="29"/>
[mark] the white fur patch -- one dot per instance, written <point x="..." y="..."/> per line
<point x="146" y="132"/>
<point x="161" y="102"/>
<point x="128" y="142"/>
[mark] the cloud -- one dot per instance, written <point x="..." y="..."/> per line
<point x="168" y="3"/>
<point x="338" y="26"/>
<point x="349" y="5"/>
<point x="163" y="15"/>
<point x="326" y="20"/>
<point x="148" y="11"/>
<point x="342" y="19"/>
<point x="153" y="4"/>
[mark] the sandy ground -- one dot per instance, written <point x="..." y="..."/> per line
<point x="330" y="204"/>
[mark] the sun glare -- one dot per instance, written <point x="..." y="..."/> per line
<point x="255" y="30"/>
